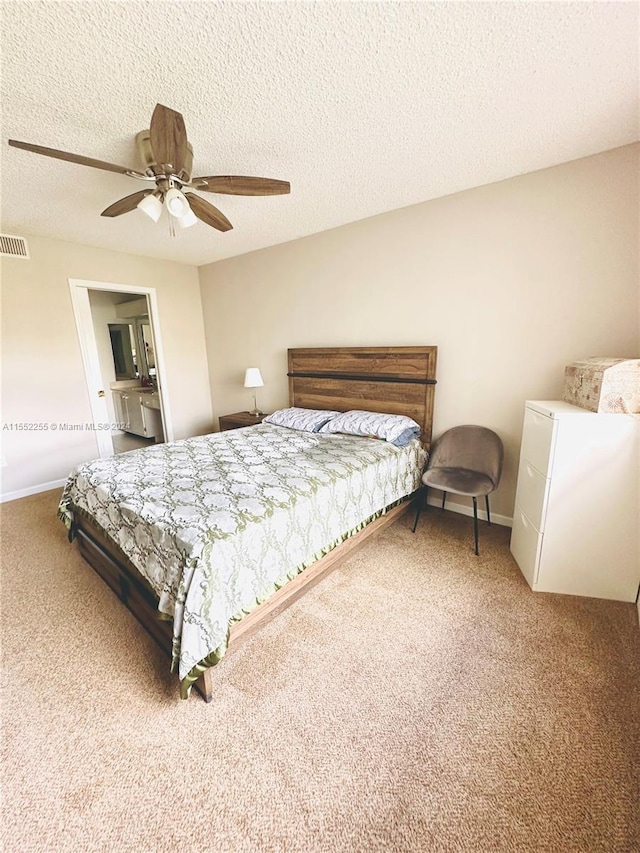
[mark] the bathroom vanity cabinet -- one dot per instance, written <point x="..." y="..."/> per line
<point x="139" y="410"/>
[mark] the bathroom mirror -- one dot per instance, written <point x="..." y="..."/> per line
<point x="124" y="350"/>
<point x="133" y="349"/>
<point x="149" y="351"/>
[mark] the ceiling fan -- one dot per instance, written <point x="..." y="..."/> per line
<point x="167" y="156"/>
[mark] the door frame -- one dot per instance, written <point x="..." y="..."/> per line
<point x="79" y="290"/>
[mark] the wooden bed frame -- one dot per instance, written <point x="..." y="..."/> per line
<point x="398" y="380"/>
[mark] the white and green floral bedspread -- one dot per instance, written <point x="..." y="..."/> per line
<point x="216" y="523"/>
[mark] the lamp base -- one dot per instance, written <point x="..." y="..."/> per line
<point x="255" y="411"/>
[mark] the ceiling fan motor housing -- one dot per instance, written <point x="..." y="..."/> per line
<point x="143" y="145"/>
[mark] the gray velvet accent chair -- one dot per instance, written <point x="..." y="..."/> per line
<point x="465" y="460"/>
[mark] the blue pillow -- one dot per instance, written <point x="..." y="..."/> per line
<point x="307" y="420"/>
<point x="396" y="429"/>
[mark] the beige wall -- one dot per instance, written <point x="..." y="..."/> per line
<point x="512" y="281"/>
<point x="42" y="374"/>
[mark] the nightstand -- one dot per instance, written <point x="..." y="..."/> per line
<point x="240" y="419"/>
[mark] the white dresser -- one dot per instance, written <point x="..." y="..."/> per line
<point x="576" y="522"/>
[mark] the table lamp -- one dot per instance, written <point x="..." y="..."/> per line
<point x="253" y="379"/>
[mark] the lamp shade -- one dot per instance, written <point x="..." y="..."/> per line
<point x="176" y="203"/>
<point x="253" y="378"/>
<point x="188" y="219"/>
<point x="152" y="206"/>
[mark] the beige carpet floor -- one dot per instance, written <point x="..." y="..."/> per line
<point x="419" y="699"/>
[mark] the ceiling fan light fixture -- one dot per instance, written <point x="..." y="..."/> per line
<point x="152" y="206"/>
<point x="188" y="219"/>
<point x="176" y="203"/>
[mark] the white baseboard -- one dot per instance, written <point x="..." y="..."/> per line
<point x="32" y="490"/>
<point x="463" y="509"/>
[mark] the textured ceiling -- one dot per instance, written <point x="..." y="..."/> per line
<point x="364" y="107"/>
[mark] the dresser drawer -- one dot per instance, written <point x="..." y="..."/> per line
<point x="537" y="440"/>
<point x="526" y="546"/>
<point x="531" y="493"/>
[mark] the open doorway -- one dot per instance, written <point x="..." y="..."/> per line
<point x="126" y="352"/>
<point x="119" y="335"/>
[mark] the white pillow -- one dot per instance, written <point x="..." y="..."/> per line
<point x="396" y="429"/>
<point x="308" y="420"/>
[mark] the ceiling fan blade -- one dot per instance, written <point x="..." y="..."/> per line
<point x="71" y="158"/>
<point x="124" y="205"/>
<point x="168" y="138"/>
<point x="240" y="185"/>
<point x="208" y="213"/>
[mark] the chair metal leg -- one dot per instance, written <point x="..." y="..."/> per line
<point x="486" y="498"/>
<point x="444" y="497"/>
<point x="421" y="502"/>
<point x="475" y="524"/>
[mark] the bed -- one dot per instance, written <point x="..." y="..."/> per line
<point x="206" y="539"/>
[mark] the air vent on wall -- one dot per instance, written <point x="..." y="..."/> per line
<point x="13" y="247"/>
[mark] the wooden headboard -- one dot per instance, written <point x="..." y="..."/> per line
<point x="397" y="380"/>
